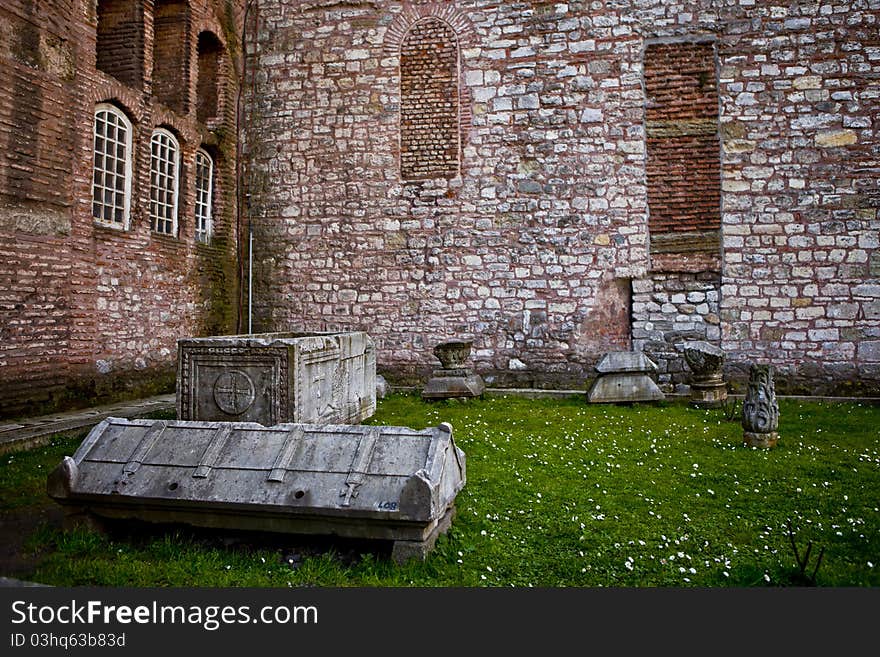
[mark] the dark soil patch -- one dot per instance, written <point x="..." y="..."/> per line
<point x="17" y="526"/>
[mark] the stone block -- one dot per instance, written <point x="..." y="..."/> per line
<point x="277" y="377"/>
<point x="623" y="377"/>
<point x="625" y="361"/>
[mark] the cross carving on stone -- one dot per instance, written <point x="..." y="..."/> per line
<point x="234" y="392"/>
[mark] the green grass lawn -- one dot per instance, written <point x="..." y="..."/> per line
<point x="559" y="493"/>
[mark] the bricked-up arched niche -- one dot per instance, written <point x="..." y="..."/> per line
<point x="170" y="54"/>
<point x="210" y="58"/>
<point x="429" y="102"/>
<point x="684" y="151"/>
<point x="120" y="40"/>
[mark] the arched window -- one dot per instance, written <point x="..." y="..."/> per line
<point x="429" y="101"/>
<point x="111" y="175"/>
<point x="204" y="189"/>
<point x="164" y="177"/>
<point x="209" y="60"/>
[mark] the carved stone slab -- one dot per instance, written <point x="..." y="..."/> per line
<point x="375" y="482"/>
<point x="277" y="377"/>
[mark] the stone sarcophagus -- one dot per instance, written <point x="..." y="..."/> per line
<point x="374" y="482"/>
<point x="272" y="378"/>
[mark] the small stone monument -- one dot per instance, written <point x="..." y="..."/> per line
<point x="708" y="389"/>
<point x="623" y="377"/>
<point x="453" y="379"/>
<point x="372" y="482"/>
<point x="760" y="412"/>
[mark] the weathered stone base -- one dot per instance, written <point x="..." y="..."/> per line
<point x="453" y="384"/>
<point x="623" y="388"/>
<point x="763" y="440"/>
<point x="403" y="551"/>
<point x="708" y="395"/>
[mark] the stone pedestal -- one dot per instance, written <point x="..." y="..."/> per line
<point x="277" y="377"/>
<point x="453" y="380"/>
<point x="708" y="389"/>
<point x="763" y="440"/>
<point x="623" y="377"/>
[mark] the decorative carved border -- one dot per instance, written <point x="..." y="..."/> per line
<point x="191" y="358"/>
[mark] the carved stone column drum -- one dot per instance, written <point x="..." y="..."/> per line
<point x="708" y="389"/>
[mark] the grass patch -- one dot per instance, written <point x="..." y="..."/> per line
<point x="559" y="493"/>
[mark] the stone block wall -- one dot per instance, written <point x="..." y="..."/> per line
<point x="579" y="154"/>
<point x="799" y="110"/>
<point x="87" y="312"/>
<point x="669" y="309"/>
<point x="529" y="250"/>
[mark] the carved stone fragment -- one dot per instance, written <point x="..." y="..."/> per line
<point x="760" y="412"/>
<point x="453" y="379"/>
<point x="708" y="389"/>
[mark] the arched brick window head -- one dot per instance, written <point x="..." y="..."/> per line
<point x="430" y="141"/>
<point x="210" y="51"/>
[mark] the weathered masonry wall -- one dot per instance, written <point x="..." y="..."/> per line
<point x="799" y="112"/>
<point x="90" y="312"/>
<point x="614" y="157"/>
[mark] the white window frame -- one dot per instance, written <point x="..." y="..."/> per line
<point x="163" y="134"/>
<point x="107" y="108"/>
<point x="204" y="207"/>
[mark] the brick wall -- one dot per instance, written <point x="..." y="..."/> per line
<point x="429" y="144"/>
<point x="684" y="155"/>
<point x="171" y="54"/>
<point x="120" y="51"/>
<point x="89" y="313"/>
<point x="531" y="249"/>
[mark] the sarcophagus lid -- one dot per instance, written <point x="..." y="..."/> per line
<point x="382" y="482"/>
